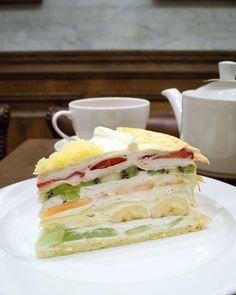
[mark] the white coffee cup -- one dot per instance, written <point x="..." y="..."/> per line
<point x="111" y="112"/>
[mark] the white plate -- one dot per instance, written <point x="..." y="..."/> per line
<point x="61" y="142"/>
<point x="197" y="263"/>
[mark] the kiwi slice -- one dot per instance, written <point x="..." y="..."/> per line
<point x="65" y="191"/>
<point x="138" y="230"/>
<point x="96" y="233"/>
<point x="175" y="221"/>
<point x="189" y="169"/>
<point x="51" y="236"/>
<point x="90" y="182"/>
<point x="129" y="172"/>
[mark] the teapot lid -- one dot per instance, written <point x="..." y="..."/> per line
<point x="220" y="89"/>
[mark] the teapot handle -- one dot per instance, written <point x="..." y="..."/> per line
<point x="227" y="70"/>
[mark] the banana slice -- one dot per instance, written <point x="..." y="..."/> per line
<point x="129" y="213"/>
<point x="170" y="206"/>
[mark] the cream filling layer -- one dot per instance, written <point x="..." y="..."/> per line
<point x="123" y="226"/>
<point x="156" y="225"/>
<point x="105" y="194"/>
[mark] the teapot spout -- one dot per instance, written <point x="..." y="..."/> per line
<point x="175" y="99"/>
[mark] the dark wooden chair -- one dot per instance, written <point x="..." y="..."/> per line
<point x="165" y="123"/>
<point x="4" y="123"/>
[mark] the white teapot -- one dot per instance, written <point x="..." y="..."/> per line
<point x="206" y="118"/>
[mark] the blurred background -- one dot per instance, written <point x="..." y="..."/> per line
<point x="54" y="51"/>
<point x="119" y="24"/>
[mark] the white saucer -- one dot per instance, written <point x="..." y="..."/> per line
<point x="60" y="143"/>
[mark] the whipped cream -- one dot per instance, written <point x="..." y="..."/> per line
<point x="112" y="140"/>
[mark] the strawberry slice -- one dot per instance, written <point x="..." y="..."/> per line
<point x="108" y="163"/>
<point x="41" y="184"/>
<point x="183" y="153"/>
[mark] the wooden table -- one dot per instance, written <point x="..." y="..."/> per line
<point x="19" y="165"/>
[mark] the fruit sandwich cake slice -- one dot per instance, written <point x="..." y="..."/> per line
<point x="123" y="186"/>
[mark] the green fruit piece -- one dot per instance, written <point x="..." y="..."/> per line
<point x="102" y="232"/>
<point x="65" y="191"/>
<point x="51" y="236"/>
<point x="160" y="171"/>
<point x="129" y="172"/>
<point x="59" y="189"/>
<point x="90" y="182"/>
<point x="174" y="222"/>
<point x="69" y="196"/>
<point x="189" y="169"/>
<point x="72" y="235"/>
<point x="96" y="233"/>
<point x="163" y="171"/>
<point x="138" y="230"/>
<point x="173" y="170"/>
<point x="181" y="169"/>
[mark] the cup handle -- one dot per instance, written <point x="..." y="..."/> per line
<point x="55" y="126"/>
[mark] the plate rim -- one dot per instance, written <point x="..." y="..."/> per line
<point x="229" y="289"/>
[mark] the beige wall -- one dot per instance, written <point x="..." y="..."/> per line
<point x="119" y="24"/>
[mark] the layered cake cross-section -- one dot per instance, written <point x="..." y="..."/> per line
<point x="123" y="186"/>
